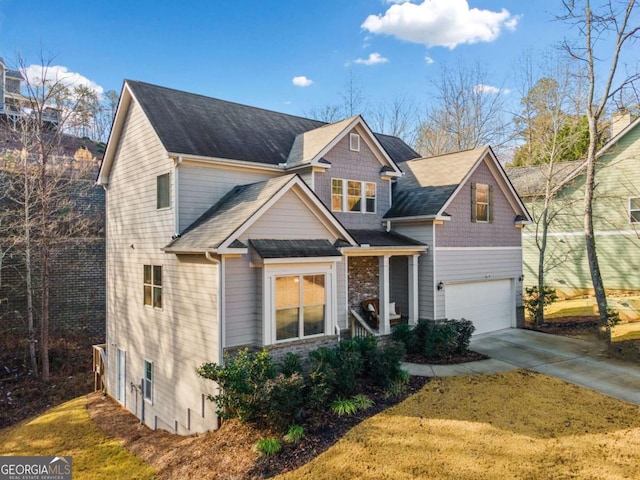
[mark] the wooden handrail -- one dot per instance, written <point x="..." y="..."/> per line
<point x="358" y="325"/>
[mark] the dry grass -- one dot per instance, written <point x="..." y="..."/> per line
<point x="68" y="430"/>
<point x="516" y="425"/>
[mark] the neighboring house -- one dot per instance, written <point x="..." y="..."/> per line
<point x="616" y="216"/>
<point x="232" y="226"/>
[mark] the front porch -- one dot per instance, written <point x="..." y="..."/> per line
<point x="383" y="271"/>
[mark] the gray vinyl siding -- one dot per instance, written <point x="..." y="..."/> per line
<point x="460" y="231"/>
<point x="348" y="165"/>
<point x="462" y="265"/>
<point x="399" y="278"/>
<point x="288" y="218"/>
<point x="201" y="186"/>
<point x="183" y="334"/>
<point x="423" y="233"/>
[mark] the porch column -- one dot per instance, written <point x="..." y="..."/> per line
<point x="383" y="264"/>
<point x="413" y="289"/>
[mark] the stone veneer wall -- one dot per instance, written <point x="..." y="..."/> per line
<point x="363" y="280"/>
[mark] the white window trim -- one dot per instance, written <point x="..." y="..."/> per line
<point x="363" y="196"/>
<point x="269" y="297"/>
<point x="354" y="142"/>
<point x="482" y="203"/>
<point x="144" y="380"/>
<point x="633" y="210"/>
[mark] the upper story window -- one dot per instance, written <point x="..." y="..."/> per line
<point x="634" y="210"/>
<point x="353" y="196"/>
<point x="153" y="286"/>
<point x="163" y="189"/>
<point x="354" y="142"/>
<point x="481" y="203"/>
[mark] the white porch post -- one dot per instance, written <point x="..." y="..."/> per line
<point x="413" y="289"/>
<point x="383" y="264"/>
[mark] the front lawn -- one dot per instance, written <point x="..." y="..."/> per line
<point x="515" y="425"/>
<point x="68" y="430"/>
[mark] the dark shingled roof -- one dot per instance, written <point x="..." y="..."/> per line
<point x="226" y="216"/>
<point x="421" y="201"/>
<point x="381" y="238"/>
<point x="294" y="248"/>
<point x="193" y="124"/>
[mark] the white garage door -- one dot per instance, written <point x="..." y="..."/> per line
<point x="489" y="304"/>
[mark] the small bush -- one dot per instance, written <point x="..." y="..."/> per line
<point x="384" y="364"/>
<point x="404" y="334"/>
<point x="267" y="446"/>
<point x="343" y="406"/>
<point x="534" y="305"/>
<point x="294" y="434"/>
<point x="464" y="330"/>
<point x="362" y="402"/>
<point x="283" y="399"/>
<point x="291" y="364"/>
<point x="613" y="317"/>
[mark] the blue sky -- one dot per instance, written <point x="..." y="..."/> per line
<point x="251" y="51"/>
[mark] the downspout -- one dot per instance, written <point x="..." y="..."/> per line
<point x="388" y="226"/>
<point x="218" y="263"/>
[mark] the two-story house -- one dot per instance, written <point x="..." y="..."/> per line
<point x="232" y="226"/>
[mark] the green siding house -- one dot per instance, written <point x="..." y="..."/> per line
<point x="616" y="211"/>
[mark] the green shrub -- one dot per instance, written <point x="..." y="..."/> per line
<point x="268" y="446"/>
<point x="348" y="365"/>
<point x="283" y="399"/>
<point x="343" y="406"/>
<point x="242" y="379"/>
<point x="362" y="402"/>
<point x="534" y="305"/>
<point x="404" y="334"/>
<point x="291" y="364"/>
<point x="294" y="434"/>
<point x="464" y="330"/>
<point x="384" y="364"/>
<point x="441" y="342"/>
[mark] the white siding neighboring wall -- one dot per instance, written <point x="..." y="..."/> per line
<point x="458" y="265"/>
<point x="184" y="333"/>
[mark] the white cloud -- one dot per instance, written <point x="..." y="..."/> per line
<point x="302" y="81"/>
<point x="490" y="89"/>
<point x="373" y="59"/>
<point x="445" y="23"/>
<point x="429" y="60"/>
<point x="39" y="75"/>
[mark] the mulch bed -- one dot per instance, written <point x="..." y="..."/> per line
<point x="569" y="326"/>
<point x="468" y="356"/>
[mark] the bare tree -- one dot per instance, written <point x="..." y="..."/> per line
<point x="468" y="112"/>
<point x="352" y="101"/>
<point x="43" y="190"/>
<point x="397" y="118"/>
<point x="603" y="35"/>
<point x="549" y="92"/>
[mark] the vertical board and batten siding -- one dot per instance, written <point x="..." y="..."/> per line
<point x="423" y="232"/>
<point x="361" y="166"/>
<point x="288" y="218"/>
<point x="201" y="186"/>
<point x="183" y="333"/>
<point x="617" y="239"/>
<point x="461" y="265"/>
<point x="460" y="231"/>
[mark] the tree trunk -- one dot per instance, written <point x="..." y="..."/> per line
<point x="44" y="323"/>
<point x="539" y="320"/>
<point x="590" y="239"/>
<point x="28" y="268"/>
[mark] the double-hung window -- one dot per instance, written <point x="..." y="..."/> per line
<point x="353" y="196"/>
<point x="153" y="286"/>
<point x="300" y="306"/>
<point x="163" y="191"/>
<point x="634" y="210"/>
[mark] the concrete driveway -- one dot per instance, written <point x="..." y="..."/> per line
<point x="575" y="361"/>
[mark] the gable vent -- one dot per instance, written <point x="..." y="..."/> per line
<point x="354" y="142"/>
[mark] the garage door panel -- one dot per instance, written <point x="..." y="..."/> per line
<point x="488" y="304"/>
